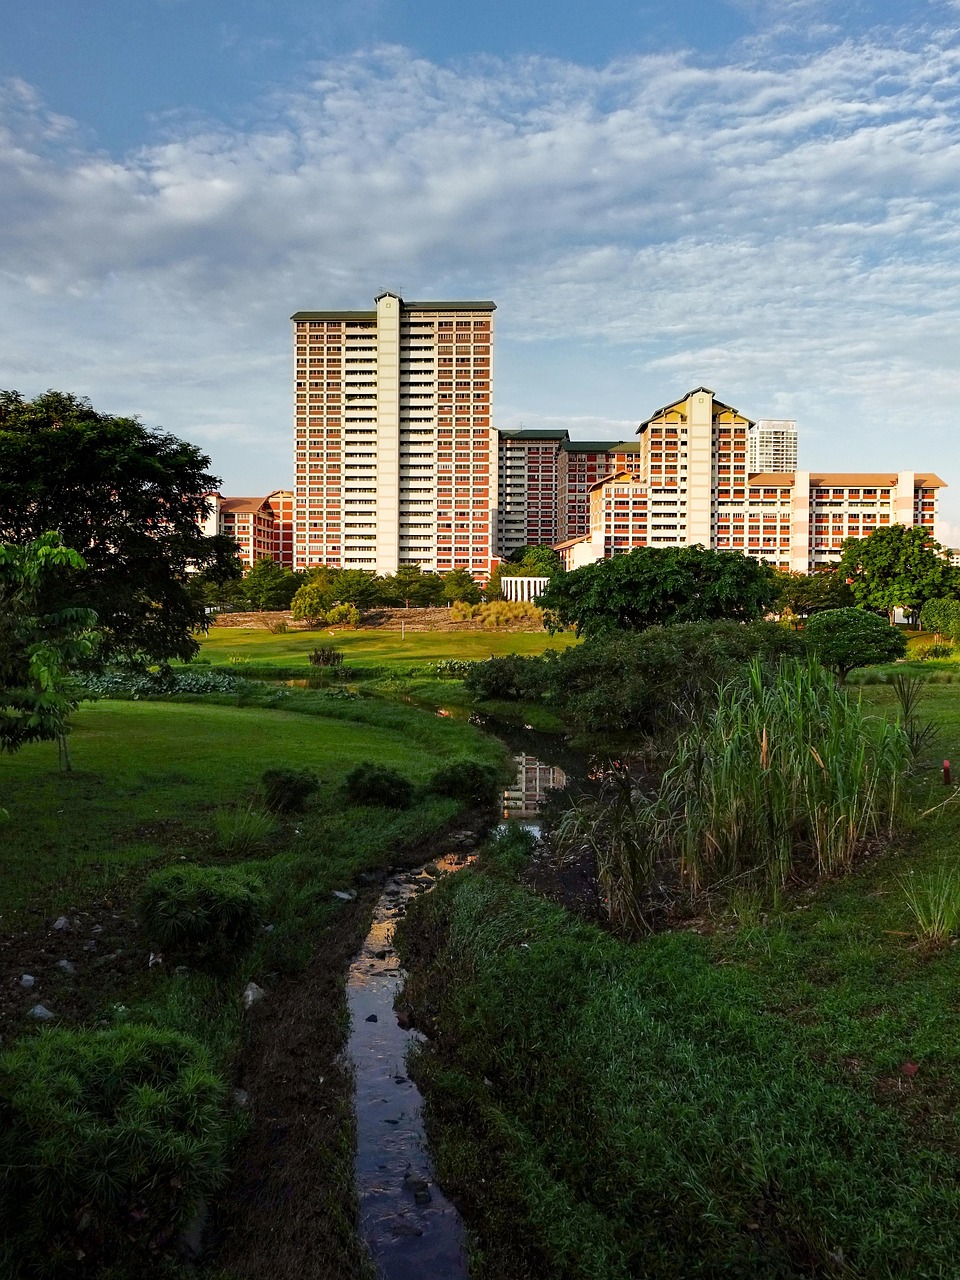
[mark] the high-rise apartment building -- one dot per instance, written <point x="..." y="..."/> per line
<point x="772" y="445"/>
<point x="530" y="491"/>
<point x="396" y="457"/>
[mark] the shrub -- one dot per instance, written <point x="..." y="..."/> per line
<point x="243" y="830"/>
<point x="931" y="652"/>
<point x="470" y="781"/>
<point x="511" y="678"/>
<point x="157" y="684"/>
<point x="498" y="613"/>
<point x="326" y="656"/>
<point x="287" y="790"/>
<point x="109" y="1141"/>
<point x="843" y="639"/>
<point x="311" y="603"/>
<point x="279" y="627"/>
<point x="450" y="668"/>
<point x="343" y="615"/>
<point x="375" y="784"/>
<point x="206" y="915"/>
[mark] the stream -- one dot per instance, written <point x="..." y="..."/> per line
<point x="411" y="1229"/>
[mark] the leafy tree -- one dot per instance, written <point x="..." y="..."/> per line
<point x="843" y="639"/>
<point x="539" y="561"/>
<point x="39" y="648"/>
<point x="803" y="594"/>
<point x="659" y="586"/>
<point x="942" y="616"/>
<point x="410" y="586"/>
<point x="357" y="586"/>
<point x="311" y="602"/>
<point x="897" y="567"/>
<point x="459" y="585"/>
<point x="268" y="585"/>
<point x="128" y="500"/>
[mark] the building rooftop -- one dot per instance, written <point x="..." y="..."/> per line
<point x="543" y="433"/>
<point x="675" y="404"/>
<point x="588" y="446"/>
<point x="483" y="305"/>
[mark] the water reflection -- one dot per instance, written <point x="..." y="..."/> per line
<point x="534" y="779"/>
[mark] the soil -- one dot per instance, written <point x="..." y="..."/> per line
<point x="570" y="882"/>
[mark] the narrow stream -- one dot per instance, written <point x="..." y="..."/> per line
<point x="411" y="1229"/>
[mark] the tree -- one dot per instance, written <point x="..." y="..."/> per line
<point x="268" y="585"/>
<point x="942" y="617"/>
<point x="310" y="604"/>
<point x="897" y="567"/>
<point x="843" y="639"/>
<point x="128" y="500"/>
<point x="652" y="586"/>
<point x="410" y="586"/>
<point x="39" y="648"/>
<point x="459" y="585"/>
<point x="803" y="594"/>
<point x="538" y="561"/>
<point x="357" y="586"/>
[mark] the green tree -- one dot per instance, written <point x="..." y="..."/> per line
<point x="843" y="639"/>
<point x="659" y="586"/>
<point x="268" y="585"/>
<point x="897" y="567"/>
<point x="39" y="647"/>
<point x="538" y="561"/>
<point x="942" y="616"/>
<point x="411" y="587"/>
<point x="128" y="500"/>
<point x="459" y="585"/>
<point x="310" y="604"/>
<point x="357" y="586"/>
<point x="803" y="594"/>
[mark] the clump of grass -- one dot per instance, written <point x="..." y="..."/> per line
<point x="921" y="734"/>
<point x="326" y="655"/>
<point x="933" y="899"/>
<point x="242" y="831"/>
<point x="204" y="915"/>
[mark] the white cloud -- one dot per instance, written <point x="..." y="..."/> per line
<point x="784" y="228"/>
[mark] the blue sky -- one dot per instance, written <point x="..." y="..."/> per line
<point x="763" y="197"/>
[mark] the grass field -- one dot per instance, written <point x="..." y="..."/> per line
<point x="772" y="1094"/>
<point x="373" y="648"/>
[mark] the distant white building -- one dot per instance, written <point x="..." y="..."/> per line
<point x="772" y="445"/>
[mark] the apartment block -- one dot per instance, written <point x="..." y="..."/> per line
<point x="582" y="464"/>
<point x="261" y="527"/>
<point x="530" y="488"/>
<point x="689" y="482"/>
<point x="772" y="445"/>
<point x="396" y="457"/>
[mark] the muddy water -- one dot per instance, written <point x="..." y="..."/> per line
<point x="412" y="1231"/>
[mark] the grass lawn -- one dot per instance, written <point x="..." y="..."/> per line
<point x="772" y="1095"/>
<point x="373" y="648"/>
<point x="149" y="774"/>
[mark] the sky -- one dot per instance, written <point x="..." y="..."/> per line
<point x="761" y="197"/>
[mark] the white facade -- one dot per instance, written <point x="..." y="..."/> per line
<point x="772" y="445"/>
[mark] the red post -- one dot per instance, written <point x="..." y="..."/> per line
<point x="946" y="773"/>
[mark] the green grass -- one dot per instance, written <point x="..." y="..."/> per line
<point x="150" y="776"/>
<point x="373" y="648"/>
<point x="771" y="1098"/>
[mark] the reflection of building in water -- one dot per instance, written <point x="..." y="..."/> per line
<point x="534" y="780"/>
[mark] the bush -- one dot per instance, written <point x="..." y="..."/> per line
<point x="243" y="830"/>
<point x="498" y="613"/>
<point x="204" y="915"/>
<point x="343" y="615"/>
<point x="287" y="790"/>
<point x="326" y="656"/>
<point x="375" y="784"/>
<point x="510" y="678"/>
<point x="470" y="781"/>
<point x="931" y="652"/>
<point x="109" y="1140"/>
<point x="164" y="683"/>
<point x="843" y="639"/>
<point x="451" y="668"/>
<point x="279" y="627"/>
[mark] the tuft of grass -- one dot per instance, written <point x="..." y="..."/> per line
<point x="242" y="831"/>
<point x="933" y="898"/>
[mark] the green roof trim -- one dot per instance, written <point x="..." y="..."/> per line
<point x="556" y="433"/>
<point x="449" y="306"/>
<point x="589" y="446"/>
<point x="334" y="315"/>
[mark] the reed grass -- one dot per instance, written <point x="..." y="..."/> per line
<point x="241" y="831"/>
<point x="933" y="899"/>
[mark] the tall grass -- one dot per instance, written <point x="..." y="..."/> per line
<point x="786" y="774"/>
<point x="933" y="899"/>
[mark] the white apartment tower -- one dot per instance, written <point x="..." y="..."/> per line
<point x="396" y="458"/>
<point x="772" y="445"/>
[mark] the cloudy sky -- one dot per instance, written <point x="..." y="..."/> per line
<point x="758" y="195"/>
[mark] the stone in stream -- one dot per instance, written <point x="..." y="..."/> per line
<point x="372" y="1018"/>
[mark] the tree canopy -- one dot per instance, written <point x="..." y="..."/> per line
<point x="804" y="594"/>
<point x="268" y="585"/>
<point x="941" y="615"/>
<point x="898" y="567"/>
<point x="39" y="647"/>
<point x="659" y="586"/>
<point x="128" y="500"/>
<point x="843" y="639"/>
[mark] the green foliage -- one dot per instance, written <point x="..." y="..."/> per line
<point x="473" y="782"/>
<point x="659" y="586"/>
<point x="288" y="790"/>
<point x="459" y="585"/>
<point x="452" y="668"/>
<point x="128" y="500"/>
<point x="326" y="656"/>
<point x="803" y="594"/>
<point x="342" y="615"/>
<point x="510" y="678"/>
<point x="310" y="603"/>
<point x="375" y="784"/>
<point x="536" y="560"/>
<point x="931" y="652"/>
<point x="499" y="613"/>
<point x="136" y="682"/>
<point x="898" y="567"/>
<point x="933" y="899"/>
<point x="108" y="1142"/>
<point x="206" y="916"/>
<point x="242" y="831"/>
<point x="410" y="587"/>
<point x="38" y="648"/>
<point x="941" y="615"/>
<point x="920" y="733"/>
<point x="843" y="639"/>
<point x="269" y="586"/>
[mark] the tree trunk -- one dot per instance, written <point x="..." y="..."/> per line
<point x="64" y="753"/>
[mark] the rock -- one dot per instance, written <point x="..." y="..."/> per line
<point x="61" y="923"/>
<point x="268" y="928"/>
<point x="401" y="1228"/>
<point x="422" y="1197"/>
<point x="412" y="1183"/>
<point x="97" y="928"/>
<point x="41" y="1013"/>
<point x="372" y="1018"/>
<point x="67" y="966"/>
<point x="251" y="994"/>
<point x="345" y="895"/>
<point x="90" y="945"/>
<point x="27" y="980"/>
<point x="241" y="1099"/>
<point x="180" y="971"/>
<point x="381" y="955"/>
